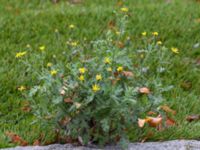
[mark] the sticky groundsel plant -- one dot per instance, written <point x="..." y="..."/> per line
<point x="97" y="97"/>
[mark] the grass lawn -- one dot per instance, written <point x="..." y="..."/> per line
<point x="34" y="22"/>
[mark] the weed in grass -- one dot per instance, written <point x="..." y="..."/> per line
<point x="27" y="23"/>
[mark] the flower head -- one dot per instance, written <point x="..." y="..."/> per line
<point x="74" y="43"/>
<point x="117" y="32"/>
<point x="71" y="26"/>
<point x="144" y="33"/>
<point x="95" y="88"/>
<point x="124" y="9"/>
<point x="175" y="50"/>
<point x="107" y="60"/>
<point x="159" y="43"/>
<point x="155" y="33"/>
<point x="82" y="70"/>
<point x="20" y="54"/>
<point x="109" y="69"/>
<point x="53" y="72"/>
<point x="120" y="69"/>
<point x="98" y="77"/>
<point x="42" y="48"/>
<point x="81" y="78"/>
<point x="22" y="88"/>
<point x="28" y="46"/>
<point x="49" y="64"/>
<point x="56" y="30"/>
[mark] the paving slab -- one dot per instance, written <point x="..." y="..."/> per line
<point x="168" y="145"/>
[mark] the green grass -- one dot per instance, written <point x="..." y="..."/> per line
<point x="33" y="22"/>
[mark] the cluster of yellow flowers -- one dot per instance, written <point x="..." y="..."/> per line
<point x="82" y="71"/>
<point x="173" y="49"/>
<point x="21" y="54"/>
<point x="53" y="72"/>
<point x="41" y="48"/>
<point x="96" y="87"/>
<point x="153" y="33"/>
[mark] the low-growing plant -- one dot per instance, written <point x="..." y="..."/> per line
<point x="97" y="95"/>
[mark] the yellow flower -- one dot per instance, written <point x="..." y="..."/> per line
<point x="144" y="33"/>
<point x="53" y="72"/>
<point x="81" y="78"/>
<point x="175" y="50"/>
<point x="117" y="33"/>
<point x="22" y="88"/>
<point x="142" y="56"/>
<point x="159" y="43"/>
<point x="109" y="69"/>
<point x="28" y="46"/>
<point x="74" y="43"/>
<point x="119" y="69"/>
<point x="56" y="30"/>
<point x="82" y="70"/>
<point x="95" y="87"/>
<point x="98" y="77"/>
<point x="107" y="60"/>
<point x="155" y="33"/>
<point x="71" y="26"/>
<point x="124" y="9"/>
<point x="49" y="64"/>
<point x="20" y="54"/>
<point x="42" y="48"/>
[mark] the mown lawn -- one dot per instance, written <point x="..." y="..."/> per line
<point x="34" y="22"/>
